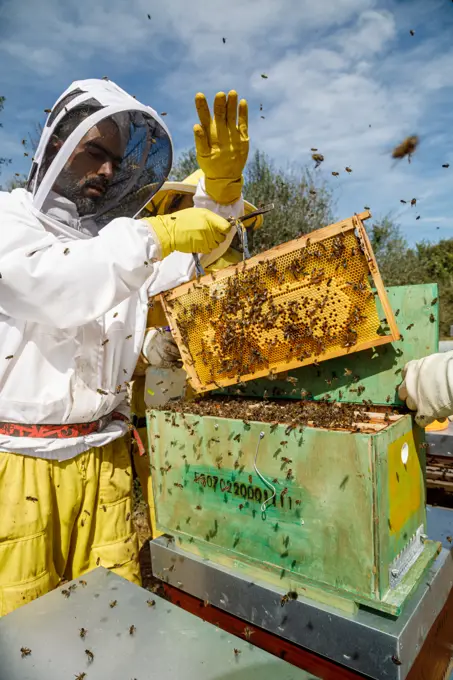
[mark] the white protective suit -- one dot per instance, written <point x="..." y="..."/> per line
<point x="74" y="291"/>
<point x="428" y="387"/>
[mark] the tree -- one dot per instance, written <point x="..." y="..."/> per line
<point x="397" y="262"/>
<point x="302" y="202"/>
<point x="426" y="263"/>
<point x="3" y="160"/>
<point x="184" y="166"/>
<point x="436" y="262"/>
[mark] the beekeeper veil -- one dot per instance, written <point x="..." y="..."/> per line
<point x="101" y="155"/>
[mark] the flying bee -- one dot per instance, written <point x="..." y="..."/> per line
<point x="236" y="652"/>
<point x="113" y="604"/>
<point x="66" y="593"/>
<point x="348" y="169"/>
<point x="25" y="651"/>
<point x="90" y="655"/>
<point x="318" y="158"/>
<point x="33" y="499"/>
<point x="406" y="148"/>
<point x="335" y="174"/>
<point x="80" y="676"/>
<point x="132" y="629"/>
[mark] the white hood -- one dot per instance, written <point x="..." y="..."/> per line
<point x="146" y="142"/>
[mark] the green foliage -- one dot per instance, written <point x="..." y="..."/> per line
<point x="426" y="263"/>
<point x="302" y="202"/>
<point x="397" y="262"/>
<point x="184" y="166"/>
<point x="436" y="263"/>
<point x="297" y="211"/>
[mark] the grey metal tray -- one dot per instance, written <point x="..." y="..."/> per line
<point x="168" y="643"/>
<point x="376" y="645"/>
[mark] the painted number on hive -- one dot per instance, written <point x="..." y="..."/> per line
<point x="248" y="492"/>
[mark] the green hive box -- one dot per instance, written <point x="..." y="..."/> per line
<point x="350" y="522"/>
<point x="348" y="526"/>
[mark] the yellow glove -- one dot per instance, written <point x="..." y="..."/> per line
<point x="222" y="145"/>
<point x="193" y="230"/>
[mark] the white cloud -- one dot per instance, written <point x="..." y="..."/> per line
<point x="343" y="75"/>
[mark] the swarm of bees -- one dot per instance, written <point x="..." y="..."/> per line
<point x="294" y="414"/>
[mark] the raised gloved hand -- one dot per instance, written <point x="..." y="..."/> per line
<point x="222" y="145"/>
<point x="159" y="348"/>
<point x="427" y="387"/>
<point x="193" y="230"/>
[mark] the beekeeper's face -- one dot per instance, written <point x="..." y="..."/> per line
<point x="91" y="167"/>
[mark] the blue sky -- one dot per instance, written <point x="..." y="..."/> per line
<point x="344" y="76"/>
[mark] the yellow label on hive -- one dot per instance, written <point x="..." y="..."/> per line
<point x="405" y="481"/>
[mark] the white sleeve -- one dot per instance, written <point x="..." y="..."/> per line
<point x="72" y="283"/>
<point x="179" y="268"/>
<point x="427" y="387"/>
<point x="203" y="200"/>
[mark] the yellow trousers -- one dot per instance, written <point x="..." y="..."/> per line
<point x="59" y="520"/>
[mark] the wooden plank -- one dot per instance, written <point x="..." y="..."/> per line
<point x="269" y="255"/>
<point x="289" y="366"/>
<point x="379" y="284"/>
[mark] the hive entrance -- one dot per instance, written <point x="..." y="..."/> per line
<point x="304" y="301"/>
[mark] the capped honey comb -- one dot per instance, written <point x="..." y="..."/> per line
<point x="299" y="303"/>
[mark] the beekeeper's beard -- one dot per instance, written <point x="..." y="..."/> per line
<point x="73" y="189"/>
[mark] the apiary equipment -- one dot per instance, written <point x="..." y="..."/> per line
<point x="336" y="514"/>
<point x="300" y="303"/>
<point x="348" y="520"/>
<point x="141" y="632"/>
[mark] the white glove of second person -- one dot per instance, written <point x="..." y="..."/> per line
<point x="427" y="387"/>
<point x="160" y="349"/>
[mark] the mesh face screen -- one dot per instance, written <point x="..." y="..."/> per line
<point x="306" y="301"/>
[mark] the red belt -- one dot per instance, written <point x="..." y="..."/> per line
<point x="69" y="430"/>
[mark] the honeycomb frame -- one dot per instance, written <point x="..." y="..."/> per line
<point x="299" y="303"/>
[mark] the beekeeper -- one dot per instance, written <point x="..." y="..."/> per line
<point x="222" y="145"/>
<point x="73" y="308"/>
<point x="427" y="387"/>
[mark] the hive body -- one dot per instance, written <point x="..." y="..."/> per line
<point x="348" y="514"/>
